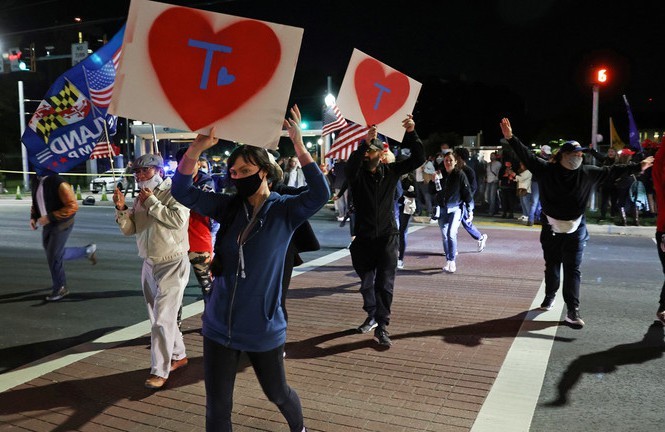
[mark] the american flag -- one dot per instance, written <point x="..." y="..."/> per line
<point x="347" y="141"/>
<point x="104" y="149"/>
<point x="332" y="120"/>
<point x="100" y="82"/>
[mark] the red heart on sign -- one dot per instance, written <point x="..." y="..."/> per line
<point x="207" y="75"/>
<point x="379" y="95"/>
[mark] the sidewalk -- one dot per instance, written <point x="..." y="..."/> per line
<point x="451" y="333"/>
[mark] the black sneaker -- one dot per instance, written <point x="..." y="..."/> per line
<point x="57" y="295"/>
<point x="573" y="317"/>
<point x="547" y="304"/>
<point x="381" y="335"/>
<point x="367" y="326"/>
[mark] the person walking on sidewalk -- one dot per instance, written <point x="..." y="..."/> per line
<point x="461" y="156"/>
<point x="159" y="223"/>
<point x="565" y="187"/>
<point x="243" y="313"/>
<point x="374" y="249"/>
<point x="53" y="208"/>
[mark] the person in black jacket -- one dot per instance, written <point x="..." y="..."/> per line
<point x="565" y="187"/>
<point x="374" y="249"/>
<point x="453" y="195"/>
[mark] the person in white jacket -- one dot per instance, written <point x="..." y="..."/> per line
<point x="524" y="194"/>
<point x="159" y="223"/>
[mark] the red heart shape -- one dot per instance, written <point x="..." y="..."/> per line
<point x="181" y="43"/>
<point x="379" y="95"/>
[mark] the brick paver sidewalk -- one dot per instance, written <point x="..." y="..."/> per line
<point x="450" y="335"/>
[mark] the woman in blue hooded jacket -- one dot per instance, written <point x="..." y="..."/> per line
<point x="243" y="312"/>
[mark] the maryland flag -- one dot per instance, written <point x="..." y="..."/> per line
<point x="67" y="107"/>
<point x="615" y="140"/>
<point x="71" y="118"/>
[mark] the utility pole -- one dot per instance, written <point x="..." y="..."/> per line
<point x="24" y="151"/>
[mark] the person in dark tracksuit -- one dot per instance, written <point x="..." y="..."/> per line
<point x="565" y="187"/>
<point x="374" y="249"/>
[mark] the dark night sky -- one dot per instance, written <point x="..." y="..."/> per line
<point x="478" y="60"/>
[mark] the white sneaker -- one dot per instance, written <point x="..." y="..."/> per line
<point x="481" y="242"/>
<point x="446" y="268"/>
<point x="433" y="221"/>
<point x="400" y="264"/>
<point x="452" y="267"/>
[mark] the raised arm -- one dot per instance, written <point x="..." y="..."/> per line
<point x="524" y="154"/>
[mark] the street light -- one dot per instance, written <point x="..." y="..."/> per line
<point x="329" y="100"/>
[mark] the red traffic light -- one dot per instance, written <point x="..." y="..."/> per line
<point x="602" y="76"/>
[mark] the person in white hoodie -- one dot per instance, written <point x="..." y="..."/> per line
<point x="159" y="223"/>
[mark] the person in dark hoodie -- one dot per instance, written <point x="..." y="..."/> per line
<point x="53" y="208"/>
<point x="243" y="313"/>
<point x="374" y="249"/>
<point x="565" y="186"/>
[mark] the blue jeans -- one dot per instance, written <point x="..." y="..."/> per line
<point x="449" y="224"/>
<point x="566" y="249"/>
<point x="220" y="365"/>
<point x="468" y="226"/>
<point x="54" y="238"/>
<point x="491" y="193"/>
<point x="534" y="211"/>
<point x="525" y="202"/>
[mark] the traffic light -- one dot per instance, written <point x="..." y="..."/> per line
<point x="602" y="75"/>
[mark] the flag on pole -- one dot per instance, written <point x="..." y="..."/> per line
<point x="332" y="120"/>
<point x="347" y="141"/>
<point x="615" y="140"/>
<point x="104" y="149"/>
<point x="633" y="133"/>
<point x="71" y="119"/>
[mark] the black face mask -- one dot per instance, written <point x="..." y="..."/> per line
<point x="247" y="186"/>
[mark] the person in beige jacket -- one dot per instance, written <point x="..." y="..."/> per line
<point x="159" y="223"/>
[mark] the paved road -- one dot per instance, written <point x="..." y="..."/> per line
<point x="605" y="377"/>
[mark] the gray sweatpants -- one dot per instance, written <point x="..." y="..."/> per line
<point x="163" y="287"/>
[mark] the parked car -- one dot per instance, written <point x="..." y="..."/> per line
<point x="97" y="184"/>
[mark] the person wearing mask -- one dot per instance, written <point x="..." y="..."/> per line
<point x="159" y="223"/>
<point x="53" y="208"/>
<point x="243" y="313"/>
<point x="374" y="249"/>
<point x="454" y="193"/>
<point x="565" y="187"/>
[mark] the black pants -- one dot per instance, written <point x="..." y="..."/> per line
<point x="375" y="261"/>
<point x="563" y="249"/>
<point x="661" y="254"/>
<point x="220" y="365"/>
<point x="404" y="220"/>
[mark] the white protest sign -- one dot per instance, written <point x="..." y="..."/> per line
<point x="191" y="69"/>
<point x="373" y="93"/>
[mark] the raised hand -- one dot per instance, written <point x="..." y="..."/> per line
<point x="408" y="123"/>
<point x="506" y="129"/>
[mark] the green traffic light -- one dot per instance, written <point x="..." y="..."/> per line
<point x="304" y="125"/>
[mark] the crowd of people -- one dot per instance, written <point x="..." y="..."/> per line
<point x="244" y="245"/>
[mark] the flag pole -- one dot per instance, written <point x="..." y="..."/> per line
<point x="155" y="149"/>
